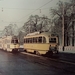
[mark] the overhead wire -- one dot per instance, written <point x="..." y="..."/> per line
<point x="30" y="9"/>
<point x="36" y="9"/>
<point x="22" y="8"/>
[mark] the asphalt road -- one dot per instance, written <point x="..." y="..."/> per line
<point x="24" y="64"/>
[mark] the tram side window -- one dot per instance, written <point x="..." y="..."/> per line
<point x="16" y="41"/>
<point x="27" y="40"/>
<point x="34" y="40"/>
<point x="13" y="41"/>
<point x="30" y="40"/>
<point x="40" y="39"/>
<point x="44" y="40"/>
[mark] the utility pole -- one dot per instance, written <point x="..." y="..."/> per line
<point x="63" y="27"/>
<point x="73" y="22"/>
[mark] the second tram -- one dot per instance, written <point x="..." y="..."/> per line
<point x="41" y="43"/>
<point x="9" y="43"/>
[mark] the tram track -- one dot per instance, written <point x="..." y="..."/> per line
<point x="57" y="63"/>
<point x="62" y="60"/>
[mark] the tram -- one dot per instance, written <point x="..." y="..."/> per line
<point x="41" y="43"/>
<point x="9" y="43"/>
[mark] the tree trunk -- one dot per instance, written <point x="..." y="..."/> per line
<point x="67" y="42"/>
<point x="72" y="33"/>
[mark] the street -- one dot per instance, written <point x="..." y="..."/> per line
<point x="23" y="64"/>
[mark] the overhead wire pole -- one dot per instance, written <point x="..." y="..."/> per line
<point x="63" y="26"/>
<point x="73" y="22"/>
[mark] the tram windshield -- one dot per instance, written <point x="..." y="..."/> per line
<point x="52" y="40"/>
<point x="14" y="41"/>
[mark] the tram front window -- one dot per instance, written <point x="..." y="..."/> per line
<point x="14" y="41"/>
<point x="52" y="40"/>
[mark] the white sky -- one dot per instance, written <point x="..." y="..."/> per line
<point x="18" y="11"/>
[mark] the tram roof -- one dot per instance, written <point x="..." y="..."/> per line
<point x="38" y="34"/>
<point x="9" y="37"/>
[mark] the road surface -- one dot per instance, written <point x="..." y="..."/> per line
<point x="23" y="64"/>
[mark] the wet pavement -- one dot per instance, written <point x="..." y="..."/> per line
<point x="67" y="56"/>
<point x="20" y="64"/>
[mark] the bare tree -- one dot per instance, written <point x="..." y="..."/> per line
<point x="57" y="13"/>
<point x="10" y="30"/>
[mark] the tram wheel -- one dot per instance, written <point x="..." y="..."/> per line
<point x="49" y="53"/>
<point x="36" y="52"/>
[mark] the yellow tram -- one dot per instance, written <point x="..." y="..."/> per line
<point x="41" y="43"/>
<point x="9" y="43"/>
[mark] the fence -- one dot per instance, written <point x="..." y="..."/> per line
<point x="69" y="49"/>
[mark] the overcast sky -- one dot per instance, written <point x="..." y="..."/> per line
<point x="18" y="11"/>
